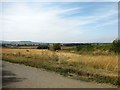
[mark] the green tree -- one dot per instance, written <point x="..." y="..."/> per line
<point x="116" y="46"/>
<point x="56" y="46"/>
<point x="43" y="47"/>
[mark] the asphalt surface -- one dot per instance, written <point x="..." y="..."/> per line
<point x="20" y="76"/>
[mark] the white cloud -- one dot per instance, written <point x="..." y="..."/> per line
<point x="43" y="25"/>
<point x="22" y="22"/>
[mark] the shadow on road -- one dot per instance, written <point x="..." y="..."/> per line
<point x="9" y="77"/>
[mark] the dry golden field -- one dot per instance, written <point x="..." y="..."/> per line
<point x="101" y="68"/>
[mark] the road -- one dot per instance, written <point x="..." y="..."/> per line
<point x="20" y="76"/>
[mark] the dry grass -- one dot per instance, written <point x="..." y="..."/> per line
<point x="100" y="65"/>
<point x="107" y="63"/>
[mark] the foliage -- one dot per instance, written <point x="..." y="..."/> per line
<point x="43" y="47"/>
<point x="85" y="47"/>
<point x="100" y="49"/>
<point x="56" y="46"/>
<point x="116" y="46"/>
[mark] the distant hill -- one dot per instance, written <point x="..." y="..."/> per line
<point x="21" y="42"/>
<point x="37" y="43"/>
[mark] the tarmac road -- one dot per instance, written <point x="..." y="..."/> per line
<point x="21" y="76"/>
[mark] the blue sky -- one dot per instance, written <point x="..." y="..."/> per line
<point x="60" y="21"/>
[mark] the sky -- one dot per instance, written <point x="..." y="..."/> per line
<point x="63" y="22"/>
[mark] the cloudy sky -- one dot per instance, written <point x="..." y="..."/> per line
<point x="59" y="22"/>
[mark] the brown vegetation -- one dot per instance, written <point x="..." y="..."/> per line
<point x="101" y="68"/>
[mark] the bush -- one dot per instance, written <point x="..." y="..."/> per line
<point x="84" y="48"/>
<point x="94" y="48"/>
<point x="56" y="46"/>
<point x="43" y="47"/>
<point x="116" y="46"/>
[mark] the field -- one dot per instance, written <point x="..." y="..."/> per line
<point x="99" y="68"/>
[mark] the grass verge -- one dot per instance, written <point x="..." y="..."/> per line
<point x="67" y="64"/>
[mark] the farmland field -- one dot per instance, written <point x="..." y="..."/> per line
<point x="100" y="68"/>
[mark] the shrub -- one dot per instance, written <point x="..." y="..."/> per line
<point x="86" y="47"/>
<point x="43" y="47"/>
<point x="116" y="46"/>
<point x="55" y="46"/>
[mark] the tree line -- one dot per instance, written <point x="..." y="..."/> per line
<point x="115" y="47"/>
